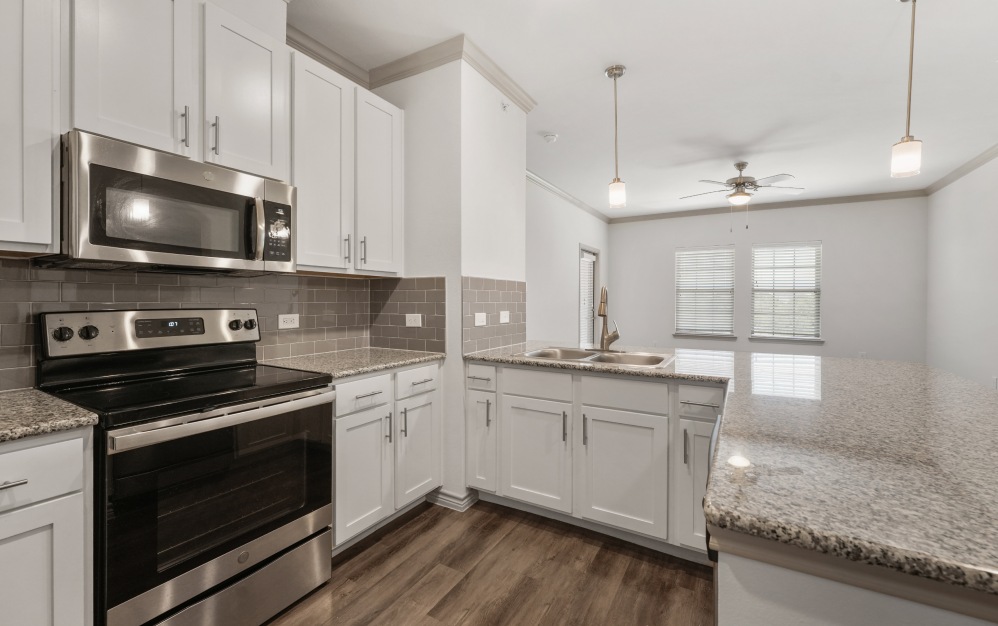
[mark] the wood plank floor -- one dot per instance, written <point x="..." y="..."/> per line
<point x="494" y="565"/>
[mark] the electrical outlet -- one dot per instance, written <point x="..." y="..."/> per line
<point x="413" y="319"/>
<point x="287" y="321"/>
<point x="480" y="319"/>
<point x="504" y="317"/>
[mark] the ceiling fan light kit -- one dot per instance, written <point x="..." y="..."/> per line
<point x="740" y="197"/>
<point x="742" y="188"/>
<point x="618" y="193"/>
<point x="906" y="155"/>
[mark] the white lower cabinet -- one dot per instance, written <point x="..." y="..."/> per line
<point x="623" y="470"/>
<point x="417" y="448"/>
<point x="691" y="485"/>
<point x="536" y="465"/>
<point x="480" y="429"/>
<point x="364" y="473"/>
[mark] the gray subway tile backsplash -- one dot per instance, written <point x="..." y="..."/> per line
<point x="492" y="296"/>
<point x="393" y="298"/>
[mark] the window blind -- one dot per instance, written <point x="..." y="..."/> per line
<point x="787" y="375"/>
<point x="786" y="290"/>
<point x="587" y="295"/>
<point x="705" y="291"/>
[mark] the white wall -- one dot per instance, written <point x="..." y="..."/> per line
<point x="873" y="276"/>
<point x="555" y="231"/>
<point x="962" y="332"/>
<point x="493" y="162"/>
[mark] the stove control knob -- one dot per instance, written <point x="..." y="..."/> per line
<point x="235" y="324"/>
<point x="249" y="324"/>
<point x="63" y="333"/>
<point x="89" y="332"/>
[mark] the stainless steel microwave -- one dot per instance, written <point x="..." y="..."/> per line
<point x="129" y="207"/>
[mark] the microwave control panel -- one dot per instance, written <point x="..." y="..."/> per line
<point x="277" y="243"/>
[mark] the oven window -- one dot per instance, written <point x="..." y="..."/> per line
<point x="174" y="506"/>
<point x="141" y="212"/>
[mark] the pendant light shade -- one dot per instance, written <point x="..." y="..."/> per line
<point x="740" y="197"/>
<point x="906" y="155"/>
<point x="618" y="193"/>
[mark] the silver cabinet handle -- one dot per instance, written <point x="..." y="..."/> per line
<point x="261" y="228"/>
<point x="217" y="126"/>
<point x="348" y="248"/>
<point x="425" y="380"/>
<point x="10" y="484"/>
<point x="187" y="126"/>
<point x="363" y="250"/>
<point x="564" y="425"/>
<point x="486" y="379"/>
<point x="368" y="395"/>
<point x="585" y="431"/>
<point x="405" y="422"/>
<point x="704" y="404"/>
<point x="686" y="447"/>
<point x="488" y="410"/>
<point x="389" y="435"/>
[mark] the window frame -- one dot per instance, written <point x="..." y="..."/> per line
<point x="731" y="249"/>
<point x="583" y="251"/>
<point x="818" y="338"/>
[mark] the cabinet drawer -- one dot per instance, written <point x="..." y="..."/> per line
<point x="482" y="377"/>
<point x="537" y="384"/>
<point x="700" y="402"/>
<point x="363" y="394"/>
<point x="629" y="395"/>
<point x="50" y="470"/>
<point x="419" y="380"/>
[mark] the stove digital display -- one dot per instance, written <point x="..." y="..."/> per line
<point x="169" y="327"/>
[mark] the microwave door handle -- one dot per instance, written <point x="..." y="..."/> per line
<point x="261" y="228"/>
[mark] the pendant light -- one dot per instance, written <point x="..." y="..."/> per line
<point x="618" y="194"/>
<point x="906" y="155"/>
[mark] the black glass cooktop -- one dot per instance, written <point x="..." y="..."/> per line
<point x="134" y="401"/>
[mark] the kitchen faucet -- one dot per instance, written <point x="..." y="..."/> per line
<point x="606" y="338"/>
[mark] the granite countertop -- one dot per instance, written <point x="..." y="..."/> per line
<point x="29" y="412"/>
<point x="880" y="462"/>
<point x="512" y="355"/>
<point x="345" y="363"/>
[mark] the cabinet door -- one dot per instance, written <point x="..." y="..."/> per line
<point x="480" y="429"/>
<point x="379" y="184"/>
<point x="693" y="461"/>
<point x="363" y="471"/>
<point x="246" y="93"/>
<point x="133" y="72"/>
<point x="29" y="46"/>
<point x="536" y="464"/>
<point x="623" y="460"/>
<point x="417" y="448"/>
<point x="42" y="563"/>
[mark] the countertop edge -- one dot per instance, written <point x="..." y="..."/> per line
<point x="596" y="368"/>
<point x="36" y="415"/>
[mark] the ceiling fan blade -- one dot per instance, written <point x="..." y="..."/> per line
<point x="704" y="194"/>
<point x="714" y="182"/>
<point x="769" y="180"/>
<point x="787" y="190"/>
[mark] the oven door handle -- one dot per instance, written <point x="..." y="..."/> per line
<point x="261" y="228"/>
<point x="197" y="423"/>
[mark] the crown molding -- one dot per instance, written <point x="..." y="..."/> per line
<point x="320" y="52"/>
<point x="988" y="155"/>
<point x="766" y="206"/>
<point x="567" y="197"/>
<point x="456" y="48"/>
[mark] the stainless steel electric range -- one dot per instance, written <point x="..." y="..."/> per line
<point x="212" y="471"/>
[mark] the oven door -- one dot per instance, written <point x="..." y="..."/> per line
<point x="189" y="503"/>
<point x="128" y="204"/>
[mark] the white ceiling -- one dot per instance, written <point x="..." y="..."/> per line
<point x="812" y="89"/>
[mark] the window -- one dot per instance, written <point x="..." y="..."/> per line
<point x="705" y="291"/>
<point x="786" y="291"/>
<point x="587" y="296"/>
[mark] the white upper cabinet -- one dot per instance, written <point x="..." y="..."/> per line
<point x="323" y="165"/>
<point x="379" y="184"/>
<point x="29" y="46"/>
<point x="134" y="76"/>
<point x="246" y="95"/>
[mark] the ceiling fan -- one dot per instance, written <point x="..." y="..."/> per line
<point x="743" y="187"/>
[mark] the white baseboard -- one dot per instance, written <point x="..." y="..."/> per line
<point x="452" y="501"/>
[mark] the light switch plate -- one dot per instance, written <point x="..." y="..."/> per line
<point x="287" y="321"/>
<point x="480" y="319"/>
<point x="413" y="319"/>
<point x="504" y="317"/>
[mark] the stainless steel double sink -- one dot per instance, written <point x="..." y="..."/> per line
<point x="629" y="359"/>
